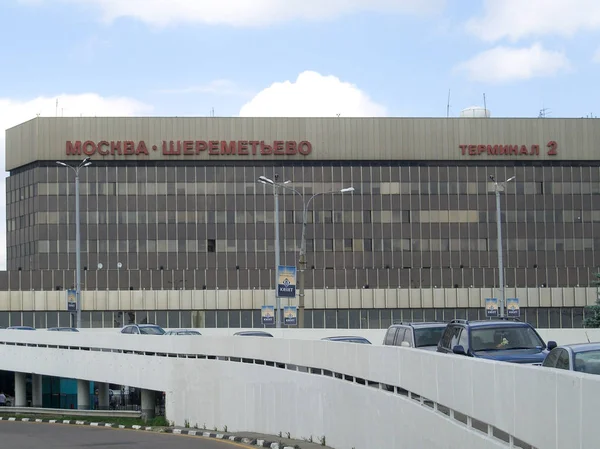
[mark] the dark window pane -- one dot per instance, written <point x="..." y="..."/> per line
<point x="161" y="318"/>
<point x="330" y="319"/>
<point x="173" y="319"/>
<point x="354" y="319"/>
<point x="374" y="319"/>
<point x="222" y="318"/>
<point x="51" y="319"/>
<point x="342" y="319"/>
<point x="186" y="319"/>
<point x="108" y="319"/>
<point x="554" y="318"/>
<point x="211" y="318"/>
<point x="386" y="318"/>
<point x="256" y="320"/>
<point x="318" y="319"/>
<point x="543" y="318"/>
<point x="246" y="319"/>
<point x="577" y="317"/>
<point x="234" y="318"/>
<point x="97" y="319"/>
<point x="566" y="318"/>
<point x="64" y="319"/>
<point x="27" y="319"/>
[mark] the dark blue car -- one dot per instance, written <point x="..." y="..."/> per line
<point x="504" y="340"/>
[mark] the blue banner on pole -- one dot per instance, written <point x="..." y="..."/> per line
<point x="286" y="282"/>
<point x="491" y="307"/>
<point x="72" y="300"/>
<point x="512" y="308"/>
<point x="290" y="315"/>
<point x="267" y="315"/>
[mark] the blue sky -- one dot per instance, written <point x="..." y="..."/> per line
<point x="403" y="58"/>
<point x="296" y="58"/>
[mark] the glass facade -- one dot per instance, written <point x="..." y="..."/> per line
<point x="196" y="225"/>
<point x="541" y="317"/>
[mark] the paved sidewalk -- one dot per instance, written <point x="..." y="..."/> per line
<point x="255" y="439"/>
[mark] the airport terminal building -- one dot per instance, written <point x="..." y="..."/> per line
<point x="176" y="229"/>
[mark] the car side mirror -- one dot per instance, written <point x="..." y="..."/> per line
<point x="459" y="349"/>
<point x="405" y="344"/>
<point x="551" y="345"/>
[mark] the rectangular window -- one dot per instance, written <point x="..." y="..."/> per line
<point x="211" y="246"/>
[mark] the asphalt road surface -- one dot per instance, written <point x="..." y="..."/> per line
<point x="20" y="435"/>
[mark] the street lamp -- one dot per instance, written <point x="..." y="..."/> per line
<point x="498" y="187"/>
<point x="275" y="185"/>
<point x="302" y="256"/>
<point x="85" y="163"/>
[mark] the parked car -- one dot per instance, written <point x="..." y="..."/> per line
<point x="505" y="340"/>
<point x="583" y="358"/>
<point x="143" y="329"/>
<point x="21" y="328"/>
<point x="182" y="332"/>
<point x="415" y="335"/>
<point x="63" y="329"/>
<point x="252" y="334"/>
<point x="348" y="339"/>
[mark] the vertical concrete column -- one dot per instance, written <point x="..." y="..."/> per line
<point x="20" y="390"/>
<point x="36" y="390"/>
<point x="103" y="399"/>
<point x="148" y="404"/>
<point x="83" y="394"/>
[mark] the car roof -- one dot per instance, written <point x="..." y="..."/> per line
<point x="146" y="325"/>
<point x="421" y="324"/>
<point x="256" y="333"/>
<point x="581" y="347"/>
<point x="492" y="323"/>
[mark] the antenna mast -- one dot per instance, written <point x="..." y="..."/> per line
<point x="484" y="106"/>
<point x="448" y="105"/>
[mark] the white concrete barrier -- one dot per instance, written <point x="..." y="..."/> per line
<point x="375" y="336"/>
<point x="336" y="390"/>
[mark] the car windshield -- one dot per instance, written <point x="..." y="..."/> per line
<point x="491" y="338"/>
<point x="428" y="336"/>
<point x="587" y="362"/>
<point x="151" y="330"/>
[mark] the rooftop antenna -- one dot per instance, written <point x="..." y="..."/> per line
<point x="338" y="115"/>
<point x="484" y="106"/>
<point x="212" y="112"/>
<point x="57" y="107"/>
<point x="448" y="105"/>
<point x="544" y="113"/>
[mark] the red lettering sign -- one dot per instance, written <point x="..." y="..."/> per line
<point x="507" y="150"/>
<point x="190" y="148"/>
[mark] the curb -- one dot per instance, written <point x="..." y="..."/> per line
<point x="198" y="433"/>
<point x="76" y="422"/>
<point x="224" y="436"/>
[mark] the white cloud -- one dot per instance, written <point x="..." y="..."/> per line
<point x="247" y="13"/>
<point x="505" y="64"/>
<point x="13" y="112"/>
<point x="518" y="19"/>
<point x="312" y="95"/>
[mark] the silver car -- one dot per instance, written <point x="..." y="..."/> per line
<point x="583" y="358"/>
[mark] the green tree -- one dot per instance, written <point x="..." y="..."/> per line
<point x="592" y="313"/>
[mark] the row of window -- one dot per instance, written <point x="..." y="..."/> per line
<point x="251" y="188"/>
<point x="543" y="317"/>
<point x="294" y="217"/>
<point x="312" y="245"/>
